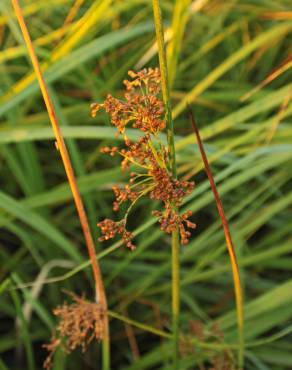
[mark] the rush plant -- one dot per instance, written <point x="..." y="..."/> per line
<point x="169" y="305"/>
<point x="147" y="159"/>
<point x="152" y="166"/>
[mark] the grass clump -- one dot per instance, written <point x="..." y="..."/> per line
<point x="230" y="61"/>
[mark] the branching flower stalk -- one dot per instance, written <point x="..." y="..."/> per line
<point x="153" y="170"/>
<point x="147" y="159"/>
<point x="170" y="137"/>
<point x="101" y="303"/>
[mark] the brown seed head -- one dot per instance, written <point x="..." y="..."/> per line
<point x="142" y="108"/>
<point x="109" y="229"/>
<point x="79" y="323"/>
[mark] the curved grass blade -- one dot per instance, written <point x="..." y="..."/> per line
<point x="229" y="244"/>
<point x="93" y="49"/>
<point x="230" y="62"/>
<point x="17" y="210"/>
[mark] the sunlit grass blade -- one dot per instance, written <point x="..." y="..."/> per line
<point x="78" y="31"/>
<point x="70" y="16"/>
<point x="280" y="16"/>
<point x="279" y="116"/>
<point x="263" y="38"/>
<point x="265" y="104"/>
<point x="34" y="7"/>
<point x="210" y="45"/>
<point x="179" y="20"/>
<point x="91" y="18"/>
<point x="284" y="66"/>
<point x="19" y="91"/>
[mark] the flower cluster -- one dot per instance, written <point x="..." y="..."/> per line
<point x="169" y="220"/>
<point x="109" y="229"/>
<point x="147" y="157"/>
<point x="144" y="111"/>
<point x="79" y="323"/>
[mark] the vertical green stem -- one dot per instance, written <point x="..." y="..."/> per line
<point x="164" y="83"/>
<point x="106" y="349"/>
<point x="175" y="296"/>
<point x="170" y="140"/>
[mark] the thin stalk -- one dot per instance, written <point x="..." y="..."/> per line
<point x="175" y="287"/>
<point x="70" y="17"/>
<point x="229" y="244"/>
<point x="158" y="160"/>
<point x="175" y="265"/>
<point x="164" y="83"/>
<point x="99" y="288"/>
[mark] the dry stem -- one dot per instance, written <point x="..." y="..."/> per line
<point x="229" y="244"/>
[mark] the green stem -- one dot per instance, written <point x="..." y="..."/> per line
<point x="164" y="83"/>
<point x="175" y="287"/>
<point x="106" y="350"/>
<point x="171" y="148"/>
<point x="158" y="160"/>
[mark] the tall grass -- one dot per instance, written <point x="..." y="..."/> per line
<point x="220" y="59"/>
<point x="175" y="243"/>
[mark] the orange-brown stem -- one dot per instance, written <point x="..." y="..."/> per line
<point x="100" y="294"/>
<point x="71" y="15"/>
<point x="229" y="244"/>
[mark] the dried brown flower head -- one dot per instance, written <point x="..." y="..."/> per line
<point x="169" y="220"/>
<point x="143" y="109"/>
<point x="109" y="229"/>
<point x="149" y="78"/>
<point x="79" y="323"/>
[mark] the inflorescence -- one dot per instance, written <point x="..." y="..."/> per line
<point x="147" y="158"/>
<point x="79" y="323"/>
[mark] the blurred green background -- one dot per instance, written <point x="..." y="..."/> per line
<point x="231" y="60"/>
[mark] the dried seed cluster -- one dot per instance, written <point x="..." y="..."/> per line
<point x="148" y="158"/>
<point x="109" y="229"/>
<point x="169" y="220"/>
<point x="79" y="323"/>
<point x="144" y="111"/>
